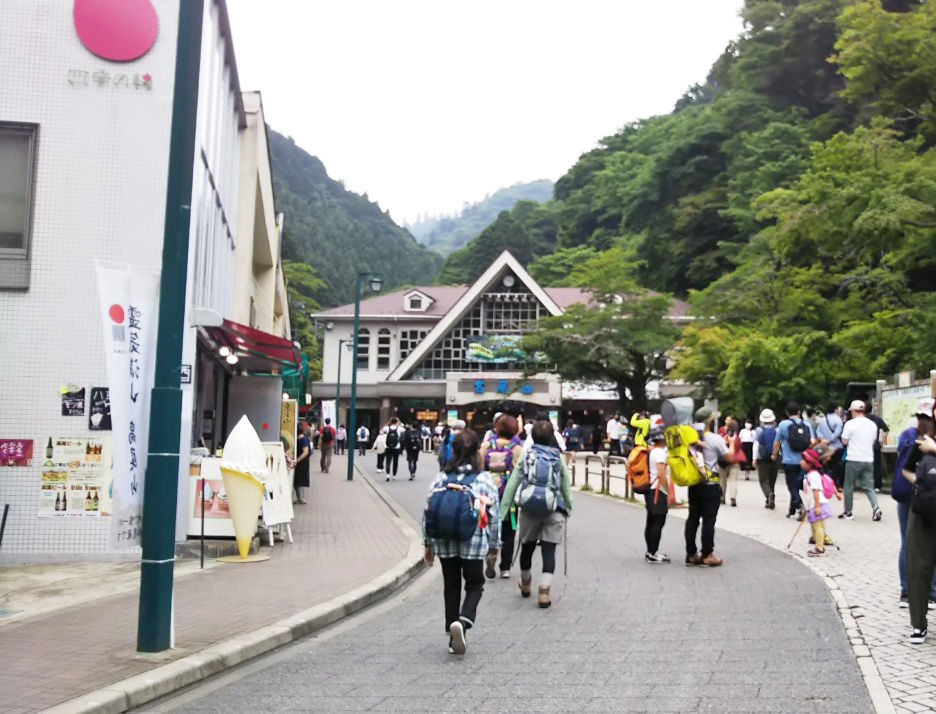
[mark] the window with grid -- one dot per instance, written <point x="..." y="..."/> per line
<point x="409" y="339"/>
<point x="17" y="180"/>
<point x="383" y="349"/>
<point x="363" y="348"/>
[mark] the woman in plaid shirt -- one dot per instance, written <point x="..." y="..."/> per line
<point x="465" y="559"/>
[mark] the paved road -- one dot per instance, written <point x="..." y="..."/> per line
<point x="760" y="634"/>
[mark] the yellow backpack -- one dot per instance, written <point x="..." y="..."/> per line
<point x="686" y="465"/>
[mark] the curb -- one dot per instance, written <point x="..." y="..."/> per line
<point x="873" y="681"/>
<point x="165" y="679"/>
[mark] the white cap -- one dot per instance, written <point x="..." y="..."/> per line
<point x="857" y="406"/>
<point x="925" y="406"/>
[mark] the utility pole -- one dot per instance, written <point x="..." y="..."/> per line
<point x="154" y="625"/>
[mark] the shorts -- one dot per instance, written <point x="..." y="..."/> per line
<point x="548" y="529"/>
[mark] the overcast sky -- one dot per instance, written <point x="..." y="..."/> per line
<point x="425" y="105"/>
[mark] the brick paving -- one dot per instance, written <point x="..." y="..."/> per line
<point x="344" y="537"/>
<point x="762" y="635"/>
<point x="865" y="570"/>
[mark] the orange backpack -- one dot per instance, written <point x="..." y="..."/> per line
<point x="638" y="469"/>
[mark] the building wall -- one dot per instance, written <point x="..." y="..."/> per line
<point x="373" y="373"/>
<point x="100" y="182"/>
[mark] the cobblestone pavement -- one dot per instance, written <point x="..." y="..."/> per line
<point x="761" y="634"/>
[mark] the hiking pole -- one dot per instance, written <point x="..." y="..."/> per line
<point x="796" y="532"/>
<point x="565" y="546"/>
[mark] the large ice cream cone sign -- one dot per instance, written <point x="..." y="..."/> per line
<point x="244" y="470"/>
<point x="245" y="496"/>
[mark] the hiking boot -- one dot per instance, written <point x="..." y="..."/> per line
<point x="694" y="559"/>
<point x="734" y="502"/>
<point x="524" y="586"/>
<point x="489" y="571"/>
<point x="458" y="644"/>
<point x="918" y="636"/>
<point x="711" y="561"/>
<point x="543" y="598"/>
<point x="815" y="552"/>
<point x="847" y="515"/>
<point x="904" y="602"/>
<point x="877" y="515"/>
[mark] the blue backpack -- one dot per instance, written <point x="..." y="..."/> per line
<point x="450" y="512"/>
<point x="765" y="440"/>
<point x="540" y="492"/>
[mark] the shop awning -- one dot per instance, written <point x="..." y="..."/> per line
<point x="258" y="353"/>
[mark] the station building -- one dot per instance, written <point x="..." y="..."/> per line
<point x="429" y="354"/>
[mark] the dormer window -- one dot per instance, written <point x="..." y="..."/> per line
<point x="416" y="301"/>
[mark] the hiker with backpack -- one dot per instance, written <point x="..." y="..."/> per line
<point x="461" y="527"/>
<point x="380" y="447"/>
<point x="341" y="439"/>
<point x="646" y="470"/>
<point x="412" y="445"/>
<point x="543" y="489"/>
<point x="572" y="435"/>
<point x="446" y="440"/>
<point x="326" y="444"/>
<point x="395" y="432"/>
<point x="361" y="440"/>
<point x="764" y="437"/>
<point x="732" y="470"/>
<point x="705" y="496"/>
<point x="794" y="436"/>
<point x="859" y="436"/>
<point x="829" y="431"/>
<point x="818" y="489"/>
<point x="920" y="470"/>
<point x="426" y="434"/>
<point x="500" y="454"/>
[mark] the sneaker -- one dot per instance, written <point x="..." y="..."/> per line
<point x="918" y="636"/>
<point x="771" y="502"/>
<point x="457" y="631"/>
<point x="711" y="561"/>
<point x="413" y="477"/>
<point x="505" y="575"/>
<point x="877" y="490"/>
<point x="815" y="552"/>
<point x="543" y="596"/>
<point x="451" y="649"/>
<point x="694" y="559"/>
<point x="827" y="541"/>
<point x="734" y="502"/>
<point x="489" y="571"/>
<point x="931" y="604"/>
<point x="766" y="503"/>
<point x="524" y="586"/>
<point x="904" y="602"/>
<point x="847" y="515"/>
<point x="656" y="558"/>
<point x="388" y="477"/>
<point x="878" y="514"/>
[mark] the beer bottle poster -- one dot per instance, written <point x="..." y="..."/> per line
<point x="73" y="401"/>
<point x="99" y="413"/>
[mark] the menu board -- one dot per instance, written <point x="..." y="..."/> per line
<point x="277" y="499"/>
<point x="210" y="496"/>
<point x="76" y="479"/>
<point x="99" y="411"/>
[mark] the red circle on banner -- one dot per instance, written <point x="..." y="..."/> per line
<point x="116" y="313"/>
<point x="118" y="30"/>
<point x="265" y="426"/>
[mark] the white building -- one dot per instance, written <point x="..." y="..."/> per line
<point x="84" y="149"/>
<point x="429" y="353"/>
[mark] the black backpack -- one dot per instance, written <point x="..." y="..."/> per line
<point x="798" y="436"/>
<point x="924" y="491"/>
<point x="393" y="437"/>
<point x="328" y="435"/>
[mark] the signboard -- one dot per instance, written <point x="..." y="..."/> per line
<point x="213" y="500"/>
<point x="129" y="302"/>
<point x="76" y="480"/>
<point x="451" y="416"/>
<point x="427" y="416"/>
<point x="289" y="420"/>
<point x="897" y="409"/>
<point x="99" y="414"/>
<point x="16" y="452"/>
<point x="185" y="374"/>
<point x="494" y="349"/>
<point x="73" y="401"/>
<point x="277" y="500"/>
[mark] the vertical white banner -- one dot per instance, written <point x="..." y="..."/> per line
<point x="129" y="304"/>
<point x="328" y="412"/>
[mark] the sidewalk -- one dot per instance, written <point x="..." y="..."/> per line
<point x="345" y="539"/>
<point x="864" y="572"/>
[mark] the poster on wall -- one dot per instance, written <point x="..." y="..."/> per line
<point x="76" y="480"/>
<point x="897" y="409"/>
<point x="494" y="349"/>
<point x="99" y="414"/>
<point x="128" y="301"/>
<point x="289" y="411"/>
<point x="16" y="452"/>
<point x="451" y="416"/>
<point x="73" y="401"/>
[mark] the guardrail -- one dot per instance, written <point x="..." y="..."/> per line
<point x="604" y="462"/>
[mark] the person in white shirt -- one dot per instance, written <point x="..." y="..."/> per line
<point x="859" y="436"/>
<point x="613" y="430"/>
<point x="814" y="500"/>
<point x="747" y="446"/>
<point x="656" y="497"/>
<point x="363" y="434"/>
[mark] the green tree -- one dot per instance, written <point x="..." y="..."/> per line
<point x="555" y="268"/>
<point x="302" y="284"/>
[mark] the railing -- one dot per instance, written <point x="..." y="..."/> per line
<point x="604" y="473"/>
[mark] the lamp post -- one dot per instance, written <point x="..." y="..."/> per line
<point x="341" y="343"/>
<point x="375" y="283"/>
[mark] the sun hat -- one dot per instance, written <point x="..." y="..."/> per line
<point x="703" y="414"/>
<point x="925" y="406"/>
<point x="823" y="450"/>
<point x="767" y="416"/>
<point x="857" y="406"/>
<point x="812" y="458"/>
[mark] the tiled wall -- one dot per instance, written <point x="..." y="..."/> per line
<point x="100" y="193"/>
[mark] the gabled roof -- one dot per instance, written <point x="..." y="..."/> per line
<point x="505" y="261"/>
<point x="391" y="304"/>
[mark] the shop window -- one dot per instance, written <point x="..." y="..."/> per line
<point x="17" y="180"/>
<point x="363" y="348"/>
<point x="383" y="349"/>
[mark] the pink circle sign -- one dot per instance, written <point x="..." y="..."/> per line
<point x="118" y="30"/>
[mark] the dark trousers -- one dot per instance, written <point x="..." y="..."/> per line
<point x="380" y="461"/>
<point x="339" y="447"/>
<point x="411" y="458"/>
<point x="767" y="476"/>
<point x="392" y="459"/>
<point x="453" y="570"/>
<point x="921" y="559"/>
<point x="362" y="448"/>
<point x="704" y="500"/>
<point x="656" y="519"/>
<point x="548" y="551"/>
<point x="508" y="536"/>
<point x="878" y="467"/>
<point x="615" y="448"/>
<point x="794" y="481"/>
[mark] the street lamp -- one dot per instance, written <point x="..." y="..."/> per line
<point x="375" y="284"/>
<point x="341" y="343"/>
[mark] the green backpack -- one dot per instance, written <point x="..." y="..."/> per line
<point x="683" y="455"/>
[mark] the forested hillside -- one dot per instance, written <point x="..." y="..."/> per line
<point x="338" y="232"/>
<point x="791" y="197"/>
<point x="444" y="234"/>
